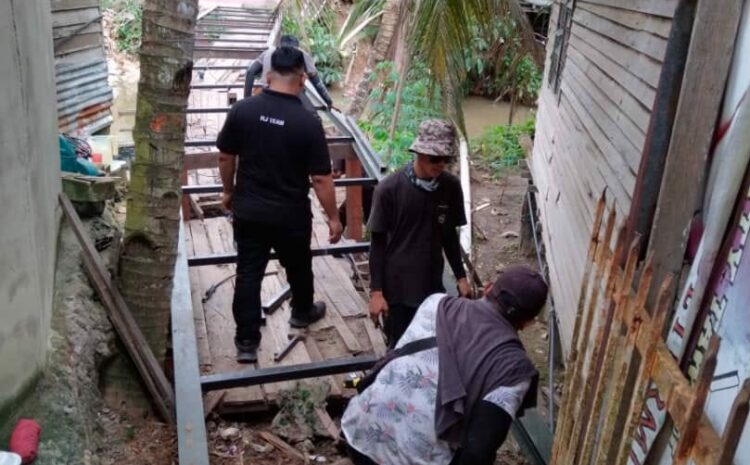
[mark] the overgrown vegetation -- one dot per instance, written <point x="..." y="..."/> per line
<point x="420" y="100"/>
<point x="126" y="24"/>
<point x="499" y="149"/>
<point x="500" y="67"/>
<point x="318" y="37"/>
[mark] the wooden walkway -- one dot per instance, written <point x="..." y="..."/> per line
<point x="344" y="332"/>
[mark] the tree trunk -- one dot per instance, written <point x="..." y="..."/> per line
<point x="388" y="24"/>
<point x="154" y="197"/>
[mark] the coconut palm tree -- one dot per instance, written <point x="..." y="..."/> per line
<point x="153" y="203"/>
<point x="439" y="33"/>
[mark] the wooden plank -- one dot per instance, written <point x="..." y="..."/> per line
<point x="220" y="325"/>
<point x="619" y="171"/>
<point x="73" y="17"/>
<point x="625" y="136"/>
<point x="631" y="19"/>
<point x="639" y="65"/>
<point x="62" y="5"/>
<point x="354" y="212"/>
<point x="281" y="445"/>
<point x="638" y="88"/>
<point x="735" y="424"/>
<point x="706" y="69"/>
<point x="643" y="42"/>
<point x="662" y="8"/>
<point x="65" y="31"/>
<point x="122" y="320"/>
<point x="201" y="335"/>
<point x="315" y="356"/>
<point x="623" y="101"/>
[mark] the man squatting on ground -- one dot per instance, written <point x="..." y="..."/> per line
<point x="275" y="147"/>
<point x="452" y="402"/>
<point x="415" y="213"/>
<point x="262" y="65"/>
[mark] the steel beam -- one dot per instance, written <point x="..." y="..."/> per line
<point x="195" y="111"/>
<point x="273" y="304"/>
<point x="212" y="142"/>
<point x="216" y="188"/>
<point x="226" y="53"/>
<point x="220" y="67"/>
<point x="230" y="258"/>
<point x="254" y="377"/>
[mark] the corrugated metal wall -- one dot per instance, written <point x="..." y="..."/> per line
<point x="84" y="98"/>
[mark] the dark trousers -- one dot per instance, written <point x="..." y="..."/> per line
<point x="357" y="458"/>
<point x="254" y="243"/>
<point x="399" y="318"/>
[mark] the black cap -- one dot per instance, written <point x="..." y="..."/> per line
<point x="289" y="41"/>
<point x="287" y="60"/>
<point x="521" y="293"/>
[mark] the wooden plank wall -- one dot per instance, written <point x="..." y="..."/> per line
<point x="590" y="136"/>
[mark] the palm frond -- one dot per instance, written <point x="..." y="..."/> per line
<point x="441" y="34"/>
<point x="362" y="14"/>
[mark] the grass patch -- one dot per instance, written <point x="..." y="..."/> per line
<point x="498" y="148"/>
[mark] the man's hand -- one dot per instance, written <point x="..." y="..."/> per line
<point x="464" y="289"/>
<point x="335" y="229"/>
<point x="226" y="200"/>
<point x="377" y="306"/>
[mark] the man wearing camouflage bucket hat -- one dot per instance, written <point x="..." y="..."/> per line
<point x="415" y="213"/>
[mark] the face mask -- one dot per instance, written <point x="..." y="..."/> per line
<point x="429" y="185"/>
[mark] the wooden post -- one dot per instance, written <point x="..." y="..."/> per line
<point x="354" y="213"/>
<point x="187" y="212"/>
<point x="706" y="69"/>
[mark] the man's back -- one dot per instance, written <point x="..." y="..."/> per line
<point x="279" y="146"/>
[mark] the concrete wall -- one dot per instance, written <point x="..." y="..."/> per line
<point x="29" y="184"/>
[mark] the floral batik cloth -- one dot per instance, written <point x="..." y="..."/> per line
<point x="393" y="420"/>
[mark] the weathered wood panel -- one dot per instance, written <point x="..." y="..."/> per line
<point x="638" y="88"/>
<point x="72" y="17"/>
<point x="662" y="8"/>
<point x="635" y="110"/>
<point x="61" y="5"/>
<point x="644" y="42"/>
<point x="638" y="64"/>
<point x="590" y="136"/>
<point x="631" y="19"/>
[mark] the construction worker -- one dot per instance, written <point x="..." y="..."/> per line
<point x="262" y="64"/>
<point x="459" y="378"/>
<point x="415" y="213"/>
<point x="275" y="149"/>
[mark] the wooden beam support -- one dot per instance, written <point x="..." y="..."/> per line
<point x="706" y="70"/>
<point x="130" y="333"/>
<point x="354" y="211"/>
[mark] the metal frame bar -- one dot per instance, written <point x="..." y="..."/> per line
<point x="219" y="67"/>
<point x="230" y="258"/>
<point x="254" y="377"/>
<point x="188" y="399"/>
<point x="216" y="188"/>
<point x="212" y="142"/>
<point x="273" y="304"/>
<point x="197" y="111"/>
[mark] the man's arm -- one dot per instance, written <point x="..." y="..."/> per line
<point x="227" y="168"/>
<point x="486" y="431"/>
<point x="324" y="190"/>
<point x="452" y="248"/>
<point x="255" y="68"/>
<point x="321" y="88"/>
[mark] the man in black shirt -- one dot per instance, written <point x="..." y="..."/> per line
<point x="274" y="146"/>
<point x="414" y="217"/>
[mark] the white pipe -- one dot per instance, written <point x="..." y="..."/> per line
<point x="465" y="174"/>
